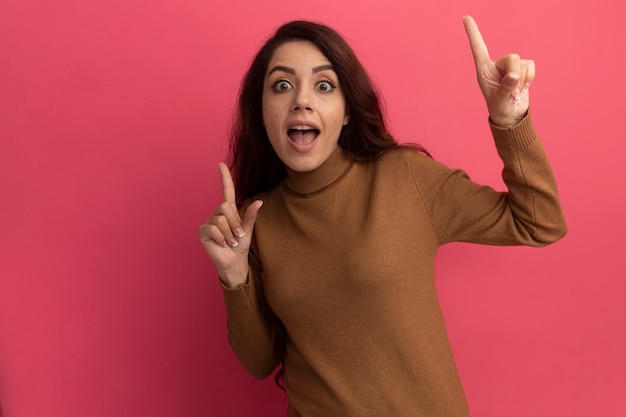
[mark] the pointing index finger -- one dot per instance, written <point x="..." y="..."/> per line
<point x="477" y="43"/>
<point x="228" y="187"/>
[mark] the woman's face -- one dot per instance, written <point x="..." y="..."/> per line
<point x="303" y="106"/>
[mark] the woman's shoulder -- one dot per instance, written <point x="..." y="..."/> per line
<point x="404" y="155"/>
<point x="406" y="161"/>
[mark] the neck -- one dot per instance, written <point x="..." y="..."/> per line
<point x="311" y="182"/>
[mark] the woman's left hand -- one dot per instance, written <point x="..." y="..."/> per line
<point x="504" y="82"/>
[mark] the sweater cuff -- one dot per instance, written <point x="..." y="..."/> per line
<point x="238" y="298"/>
<point x="517" y="137"/>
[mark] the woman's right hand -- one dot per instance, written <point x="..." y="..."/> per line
<point x="226" y="237"/>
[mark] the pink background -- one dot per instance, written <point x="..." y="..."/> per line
<point x="113" y="116"/>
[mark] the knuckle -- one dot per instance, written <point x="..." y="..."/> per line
<point x="202" y="229"/>
<point x="209" y="232"/>
<point x="220" y="222"/>
<point x="222" y="208"/>
<point x="212" y="230"/>
<point x="228" y="206"/>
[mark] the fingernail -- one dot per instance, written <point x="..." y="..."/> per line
<point x="513" y="78"/>
<point x="526" y="86"/>
<point x="234" y="243"/>
<point x="239" y="232"/>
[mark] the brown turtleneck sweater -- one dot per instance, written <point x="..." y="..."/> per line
<point x="344" y="256"/>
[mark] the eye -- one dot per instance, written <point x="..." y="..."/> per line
<point x="282" y="85"/>
<point x="325" y="86"/>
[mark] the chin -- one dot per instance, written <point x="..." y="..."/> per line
<point x="302" y="166"/>
<point x="304" y="163"/>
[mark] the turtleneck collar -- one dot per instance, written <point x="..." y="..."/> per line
<point x="317" y="180"/>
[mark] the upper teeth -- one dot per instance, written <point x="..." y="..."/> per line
<point x="303" y="127"/>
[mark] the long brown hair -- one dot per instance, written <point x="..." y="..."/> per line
<point x="254" y="164"/>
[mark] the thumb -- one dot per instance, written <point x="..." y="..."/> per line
<point x="508" y="86"/>
<point x="250" y="217"/>
<point x="509" y="83"/>
<point x="511" y="79"/>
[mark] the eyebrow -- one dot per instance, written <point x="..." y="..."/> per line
<point x="293" y="71"/>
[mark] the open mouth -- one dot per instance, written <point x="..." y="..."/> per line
<point x="303" y="134"/>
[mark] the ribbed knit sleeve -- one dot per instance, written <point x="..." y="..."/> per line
<point x="529" y="213"/>
<point x="252" y="332"/>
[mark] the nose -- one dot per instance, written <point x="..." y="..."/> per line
<point x="301" y="100"/>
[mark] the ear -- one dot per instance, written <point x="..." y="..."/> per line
<point x="346" y="119"/>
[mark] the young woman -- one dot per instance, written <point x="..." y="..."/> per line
<point x="333" y="277"/>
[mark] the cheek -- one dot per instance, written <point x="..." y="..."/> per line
<point x="271" y="121"/>
<point x="267" y="110"/>
<point x="338" y="117"/>
<point x="271" y="114"/>
<point x="273" y="126"/>
<point x="337" y="112"/>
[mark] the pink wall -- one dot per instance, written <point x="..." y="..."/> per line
<point x="114" y="114"/>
